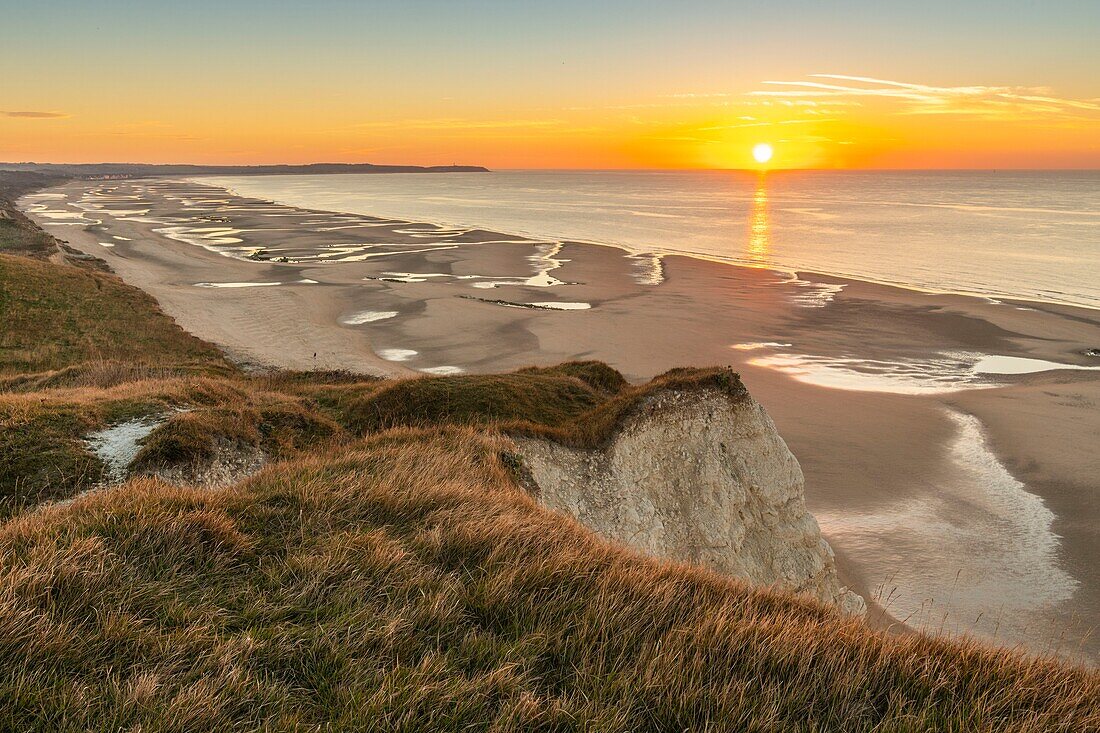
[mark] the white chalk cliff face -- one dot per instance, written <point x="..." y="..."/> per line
<point x="697" y="475"/>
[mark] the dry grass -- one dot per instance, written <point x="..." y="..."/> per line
<point x="278" y="424"/>
<point x="44" y="418"/>
<point x="43" y="455"/>
<point x="57" y="317"/>
<point x="405" y="583"/>
<point x="595" y="374"/>
<point x="595" y="428"/>
<point x="101" y="374"/>
<point x="17" y="238"/>
<point x="550" y="399"/>
<point x="18" y="234"/>
<point x="580" y="404"/>
<point x="398" y="581"/>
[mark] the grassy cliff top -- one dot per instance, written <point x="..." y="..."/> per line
<point x="385" y="571"/>
<point x="59" y="317"/>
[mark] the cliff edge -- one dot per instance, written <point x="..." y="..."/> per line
<point x="697" y="474"/>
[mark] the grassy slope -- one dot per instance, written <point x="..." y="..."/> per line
<point x="66" y="325"/>
<point x="18" y="235"/>
<point x="405" y="583"/>
<point x="58" y="317"/>
<point x="388" y="573"/>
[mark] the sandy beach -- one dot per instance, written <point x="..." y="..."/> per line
<point x="954" y="471"/>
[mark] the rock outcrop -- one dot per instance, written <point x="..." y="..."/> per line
<point x="229" y="464"/>
<point x="698" y="475"/>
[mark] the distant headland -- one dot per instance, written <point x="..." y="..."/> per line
<point x="139" y="170"/>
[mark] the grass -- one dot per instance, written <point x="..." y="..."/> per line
<point x="57" y="317"/>
<point x="545" y="397"/>
<point x="280" y="425"/>
<point x="43" y="455"/>
<point x="405" y="583"/>
<point x="596" y="427"/>
<point x="386" y="572"/>
<point x="580" y="404"/>
<point x="18" y="235"/>
<point x="16" y="238"/>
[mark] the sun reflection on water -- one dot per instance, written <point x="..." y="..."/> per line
<point x="759" y="243"/>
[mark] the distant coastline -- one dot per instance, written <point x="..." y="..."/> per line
<point x="142" y="170"/>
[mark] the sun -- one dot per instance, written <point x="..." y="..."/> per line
<point x="762" y="152"/>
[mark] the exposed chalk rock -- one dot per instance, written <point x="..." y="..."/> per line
<point x="230" y="464"/>
<point x="698" y="475"/>
<point x="117" y="445"/>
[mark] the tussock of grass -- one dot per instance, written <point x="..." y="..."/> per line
<point x="595" y="374"/>
<point x="279" y="428"/>
<point x="404" y="583"/>
<point x="191" y="437"/>
<point x="595" y="428"/>
<point x="541" y="396"/>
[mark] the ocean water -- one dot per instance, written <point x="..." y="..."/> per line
<point x="1028" y="235"/>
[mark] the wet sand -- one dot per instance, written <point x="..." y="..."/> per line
<point x="943" y="485"/>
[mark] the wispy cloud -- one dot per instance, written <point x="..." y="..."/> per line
<point x="33" y="115"/>
<point x="988" y="101"/>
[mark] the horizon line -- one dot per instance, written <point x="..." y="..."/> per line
<point x="986" y="169"/>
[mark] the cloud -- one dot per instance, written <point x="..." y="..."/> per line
<point x="31" y="115"/>
<point x="986" y="101"/>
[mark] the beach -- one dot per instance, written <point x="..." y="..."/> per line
<point x="948" y="441"/>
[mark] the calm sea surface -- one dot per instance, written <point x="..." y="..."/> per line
<point x="1031" y="235"/>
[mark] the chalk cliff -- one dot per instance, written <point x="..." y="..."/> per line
<point x="698" y="475"/>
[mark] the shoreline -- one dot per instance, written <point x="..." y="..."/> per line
<point x="657" y="251"/>
<point x="863" y="452"/>
<point x="797" y="273"/>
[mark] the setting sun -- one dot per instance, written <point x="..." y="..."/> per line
<point x="762" y="153"/>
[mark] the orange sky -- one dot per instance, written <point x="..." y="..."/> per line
<point x="561" y="85"/>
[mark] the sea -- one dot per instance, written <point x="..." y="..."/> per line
<point x="1030" y="235"/>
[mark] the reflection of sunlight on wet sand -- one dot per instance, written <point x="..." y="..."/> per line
<point x="989" y="558"/>
<point x="758" y="223"/>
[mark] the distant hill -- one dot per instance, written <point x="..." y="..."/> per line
<point x="138" y="170"/>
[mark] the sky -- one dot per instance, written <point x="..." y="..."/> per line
<point x="564" y="84"/>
